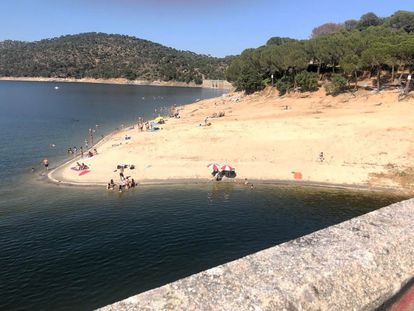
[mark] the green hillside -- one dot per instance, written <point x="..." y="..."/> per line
<point x="99" y="55"/>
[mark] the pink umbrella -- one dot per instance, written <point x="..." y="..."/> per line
<point x="214" y="166"/>
<point x="227" y="168"/>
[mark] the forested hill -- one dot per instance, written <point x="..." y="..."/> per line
<point x="99" y="55"/>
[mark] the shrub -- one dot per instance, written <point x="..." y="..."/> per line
<point x="267" y="82"/>
<point x="249" y="80"/>
<point x="307" y="81"/>
<point x="284" y="85"/>
<point x="337" y="85"/>
<point x="198" y="79"/>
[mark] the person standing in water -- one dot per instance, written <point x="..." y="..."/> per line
<point x="46" y="163"/>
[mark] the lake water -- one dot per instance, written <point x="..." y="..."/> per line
<point x="66" y="248"/>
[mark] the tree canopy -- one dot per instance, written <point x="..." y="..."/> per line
<point x="354" y="49"/>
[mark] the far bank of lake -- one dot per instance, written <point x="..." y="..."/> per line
<point x="210" y="84"/>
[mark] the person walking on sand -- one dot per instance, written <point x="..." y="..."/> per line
<point x="46" y="163"/>
<point x="81" y="152"/>
<point x="121" y="173"/>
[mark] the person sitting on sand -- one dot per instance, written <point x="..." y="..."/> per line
<point x="90" y="154"/>
<point x="78" y="166"/>
<point x="95" y="152"/>
<point x="84" y="166"/>
<point x="321" y="157"/>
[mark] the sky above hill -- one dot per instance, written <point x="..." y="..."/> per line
<point x="216" y="27"/>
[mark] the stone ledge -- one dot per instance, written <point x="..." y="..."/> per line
<point x="356" y="265"/>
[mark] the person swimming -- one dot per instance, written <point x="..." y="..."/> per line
<point x="111" y="185"/>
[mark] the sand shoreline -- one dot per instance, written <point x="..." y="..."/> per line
<point x="60" y="180"/>
<point x="121" y="81"/>
<point x="366" y="140"/>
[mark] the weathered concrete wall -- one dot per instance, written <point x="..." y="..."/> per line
<point x="356" y="265"/>
<point x="217" y="84"/>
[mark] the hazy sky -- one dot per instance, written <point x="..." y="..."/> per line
<point x="216" y="27"/>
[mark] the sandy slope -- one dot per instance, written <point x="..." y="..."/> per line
<point x="367" y="139"/>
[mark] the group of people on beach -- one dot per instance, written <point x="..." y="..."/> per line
<point x="74" y="152"/>
<point x="81" y="167"/>
<point x="146" y="125"/>
<point x="125" y="183"/>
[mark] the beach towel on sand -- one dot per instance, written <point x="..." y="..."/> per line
<point x="84" y="172"/>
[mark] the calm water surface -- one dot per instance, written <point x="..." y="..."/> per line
<point x="66" y="248"/>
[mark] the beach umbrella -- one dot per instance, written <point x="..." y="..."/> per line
<point x="214" y="166"/>
<point x="227" y="168"/>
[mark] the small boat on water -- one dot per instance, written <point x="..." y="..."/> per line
<point x="56" y="87"/>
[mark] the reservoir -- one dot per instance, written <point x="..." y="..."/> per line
<point x="66" y="248"/>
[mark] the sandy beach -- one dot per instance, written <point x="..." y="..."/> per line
<point x="367" y="140"/>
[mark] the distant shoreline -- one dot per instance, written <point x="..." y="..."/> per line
<point x="208" y="84"/>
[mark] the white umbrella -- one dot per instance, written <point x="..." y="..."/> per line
<point x="227" y="168"/>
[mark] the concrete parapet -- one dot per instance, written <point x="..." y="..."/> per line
<point x="360" y="264"/>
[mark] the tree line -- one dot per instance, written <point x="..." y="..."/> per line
<point x="99" y="55"/>
<point x="342" y="54"/>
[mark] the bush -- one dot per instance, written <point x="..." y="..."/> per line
<point x="249" y="80"/>
<point x="307" y="81"/>
<point x="198" y="79"/>
<point x="284" y="85"/>
<point x="337" y="85"/>
<point x="267" y="82"/>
